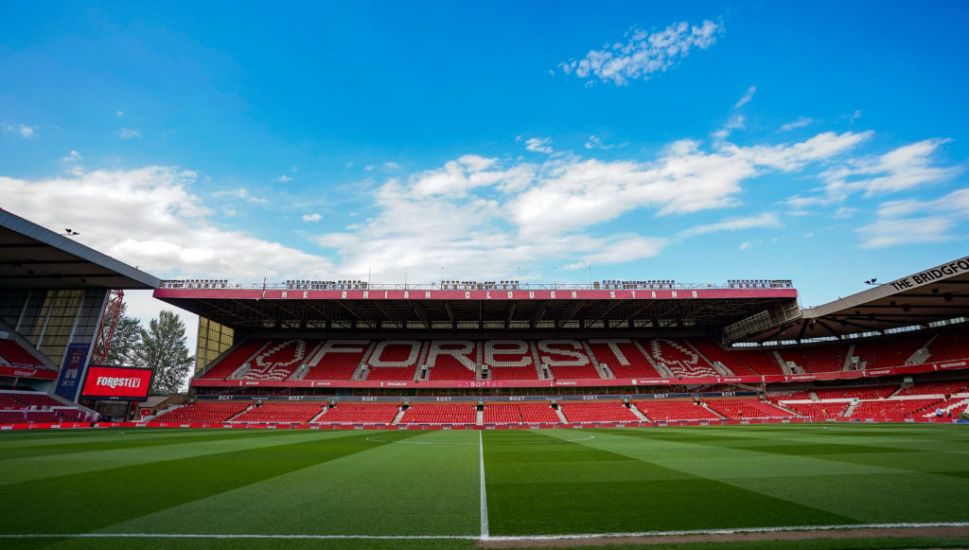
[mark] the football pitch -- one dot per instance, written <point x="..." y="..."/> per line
<point x="470" y="489"/>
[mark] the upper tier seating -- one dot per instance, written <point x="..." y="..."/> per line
<point x="674" y="410"/>
<point x="336" y="360"/>
<point x="394" y="360"/>
<point x="40" y="400"/>
<point x="741" y="362"/>
<point x="205" y="411"/>
<point x="566" y="359"/>
<point x="577" y="412"/>
<point x="949" y="345"/>
<point x="740" y="409"/>
<point x="679" y="357"/>
<point x="233" y="360"/>
<point x="15" y="356"/>
<point x="440" y="413"/>
<point x="518" y="413"/>
<point x="452" y="361"/>
<point x="281" y="411"/>
<point x="889" y="352"/>
<point x="623" y="358"/>
<point x="360" y="413"/>
<point x="826" y="358"/>
<point x="935" y="388"/>
<point x="280" y="359"/>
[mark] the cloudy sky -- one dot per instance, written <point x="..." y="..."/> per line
<point x="822" y="142"/>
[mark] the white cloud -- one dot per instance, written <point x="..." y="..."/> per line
<point x="539" y="145"/>
<point x="240" y="193"/>
<point x="457" y="177"/>
<point x="596" y="142"/>
<point x="915" y="221"/>
<point x="128" y="133"/>
<point x="72" y="156"/>
<point x="391" y="166"/>
<point x="312" y="217"/>
<point x="745" y="99"/>
<point x="746" y="245"/>
<point x="643" y="53"/>
<point x="735" y="122"/>
<point x="23" y="130"/>
<point x="284" y="179"/>
<point x="904" y="168"/>
<point x="767" y="219"/>
<point x="119" y="114"/>
<point x="799" y="122"/>
<point x="175" y="235"/>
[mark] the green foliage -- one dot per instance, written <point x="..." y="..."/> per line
<point x="164" y="349"/>
<point x="126" y="340"/>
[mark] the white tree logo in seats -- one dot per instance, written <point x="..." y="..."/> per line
<point x="267" y="369"/>
<point x="686" y="362"/>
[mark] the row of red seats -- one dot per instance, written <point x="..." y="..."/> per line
<point x="12" y="354"/>
<point x="597" y="411"/>
<point x="675" y="410"/>
<point x="518" y="413"/>
<point x="205" y="411"/>
<point x="281" y="412"/>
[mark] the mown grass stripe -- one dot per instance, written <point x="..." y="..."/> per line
<point x="56" y="504"/>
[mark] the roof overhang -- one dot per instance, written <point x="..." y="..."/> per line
<point x="936" y="294"/>
<point x="33" y="257"/>
<point x="251" y="308"/>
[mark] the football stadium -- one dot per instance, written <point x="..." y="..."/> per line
<point x="500" y="414"/>
<point x="496" y="274"/>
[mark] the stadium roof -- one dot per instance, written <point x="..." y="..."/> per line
<point x="32" y="257"/>
<point x="436" y="308"/>
<point x="936" y="294"/>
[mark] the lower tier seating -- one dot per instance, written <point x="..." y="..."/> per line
<point x="674" y="410"/>
<point x="440" y="413"/>
<point x="819" y="410"/>
<point x="517" y="413"/>
<point x="205" y="411"/>
<point x="741" y="409"/>
<point x="281" y="411"/>
<point x="894" y="410"/>
<point x="597" y="411"/>
<point x="360" y="413"/>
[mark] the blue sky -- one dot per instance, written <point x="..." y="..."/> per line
<point x="822" y="142"/>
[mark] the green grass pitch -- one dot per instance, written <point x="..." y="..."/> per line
<point x="428" y="484"/>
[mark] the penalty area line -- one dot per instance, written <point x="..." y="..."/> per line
<point x="493" y="538"/>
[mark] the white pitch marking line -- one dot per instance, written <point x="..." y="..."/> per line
<point x="725" y="531"/>
<point x="484" y="488"/>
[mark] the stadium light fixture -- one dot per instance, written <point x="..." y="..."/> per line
<point x="68" y="232"/>
<point x="873" y="281"/>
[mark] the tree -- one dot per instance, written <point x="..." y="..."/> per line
<point x="164" y="349"/>
<point x="126" y="340"/>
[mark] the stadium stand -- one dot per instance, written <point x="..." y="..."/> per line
<point x="622" y="358"/>
<point x="673" y="410"/>
<point x="819" y="410"/>
<point x="679" y="357"/>
<point x="742" y="409"/>
<point x="894" y="410"/>
<point x="520" y="413"/>
<point x="360" y="413"/>
<point x="741" y="362"/>
<point x="934" y="388"/>
<point x="880" y="392"/>
<point x="393" y="360"/>
<point x="233" y="360"/>
<point x="439" y="413"/>
<point x="948" y="346"/>
<point x="889" y="352"/>
<point x="452" y="360"/>
<point x="812" y="359"/>
<point x="205" y="411"/>
<point x="566" y="359"/>
<point x="279" y="359"/>
<point x="597" y="411"/>
<point x="281" y="412"/>
<point x="337" y="360"/>
<point x="15" y="356"/>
